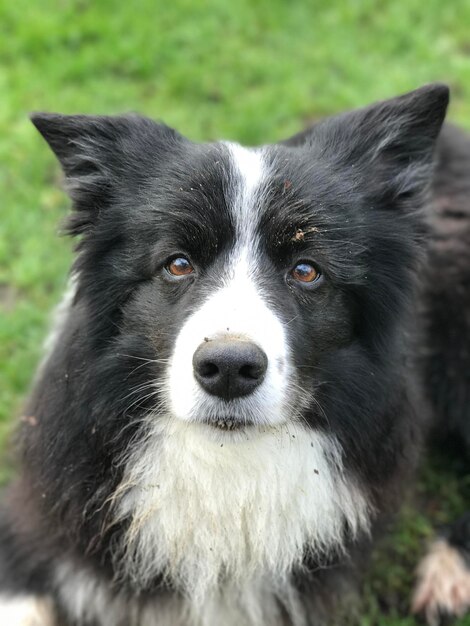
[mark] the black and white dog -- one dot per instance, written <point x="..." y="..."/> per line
<point x="236" y="387"/>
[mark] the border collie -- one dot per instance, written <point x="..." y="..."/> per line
<point x="252" y="345"/>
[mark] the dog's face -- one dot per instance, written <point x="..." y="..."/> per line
<point x="227" y="268"/>
<point x="233" y="294"/>
<point x="239" y="272"/>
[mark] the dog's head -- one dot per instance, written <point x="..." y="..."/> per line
<point x="249" y="277"/>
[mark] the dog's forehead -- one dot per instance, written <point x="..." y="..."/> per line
<point x="219" y="195"/>
<point x="256" y="182"/>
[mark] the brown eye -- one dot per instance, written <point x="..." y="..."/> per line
<point x="180" y="266"/>
<point x="305" y="273"/>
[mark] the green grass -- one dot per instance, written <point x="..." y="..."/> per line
<point x="250" y="71"/>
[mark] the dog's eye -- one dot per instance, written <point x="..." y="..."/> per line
<point x="179" y="266"/>
<point x="305" y="272"/>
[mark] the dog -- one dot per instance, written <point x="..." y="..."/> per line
<point x="252" y="347"/>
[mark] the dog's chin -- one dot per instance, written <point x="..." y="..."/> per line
<point x="230" y="429"/>
<point x="229" y="424"/>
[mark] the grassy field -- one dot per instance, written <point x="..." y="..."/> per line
<point x="249" y="71"/>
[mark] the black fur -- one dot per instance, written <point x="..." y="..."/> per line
<point x="358" y="194"/>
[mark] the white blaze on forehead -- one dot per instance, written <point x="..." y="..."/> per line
<point x="250" y="172"/>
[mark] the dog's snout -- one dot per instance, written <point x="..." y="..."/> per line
<point x="229" y="368"/>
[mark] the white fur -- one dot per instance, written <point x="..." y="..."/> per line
<point x="89" y="599"/>
<point x="247" y="189"/>
<point x="26" y="611"/>
<point x="250" y="165"/>
<point x="59" y="319"/>
<point x="227" y="522"/>
<point x="86" y="598"/>
<point x="443" y="584"/>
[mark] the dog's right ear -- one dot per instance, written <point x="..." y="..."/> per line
<point x="96" y="152"/>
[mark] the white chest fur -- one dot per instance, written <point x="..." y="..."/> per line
<point x="215" y="515"/>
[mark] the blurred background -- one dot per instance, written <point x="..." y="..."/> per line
<point x="248" y="71"/>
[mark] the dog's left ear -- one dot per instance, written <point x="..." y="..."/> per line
<point x="388" y="147"/>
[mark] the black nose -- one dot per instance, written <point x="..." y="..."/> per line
<point x="229" y="368"/>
